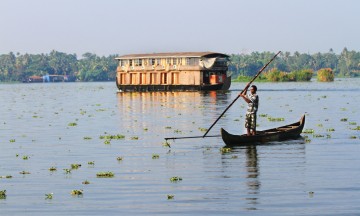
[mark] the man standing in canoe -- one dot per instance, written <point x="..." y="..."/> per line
<point x="253" y="103"/>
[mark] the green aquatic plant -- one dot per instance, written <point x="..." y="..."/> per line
<point x="25" y="157"/>
<point x="353" y="137"/>
<point x="75" y="166"/>
<point x="225" y="150"/>
<point x="237" y="119"/>
<point x="166" y="144"/>
<point x="357" y="128"/>
<point x="234" y="156"/>
<point x="169" y="197"/>
<point x="330" y="129"/>
<point x="328" y="136"/>
<point x="77" y="192"/>
<point x="12" y="140"/>
<point x="67" y="171"/>
<point x="319" y="125"/>
<point x="146" y="129"/>
<point x="308" y="131"/>
<point x="352" y="123"/>
<point x="177" y="131"/>
<point x="24" y="172"/>
<point x="263" y="115"/>
<point x="317" y="135"/>
<point x="107" y="141"/>
<point x="307" y="140"/>
<point x="155" y="156"/>
<point x="72" y="124"/>
<point x="52" y="169"/>
<point x="202" y="129"/>
<point x="111" y="137"/>
<point x="105" y="174"/>
<point x="49" y="196"/>
<point x="91" y="163"/>
<point x="85" y="182"/>
<point x="87" y="138"/>
<point x="175" y="179"/>
<point x="7" y="176"/>
<point x="2" y="194"/>
<point x="275" y="119"/>
<point x="343" y="119"/>
<point x="134" y="138"/>
<point x="119" y="158"/>
<point x="167" y="127"/>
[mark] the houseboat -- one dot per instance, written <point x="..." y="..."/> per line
<point x="180" y="71"/>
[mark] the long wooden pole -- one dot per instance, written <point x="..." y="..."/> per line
<point x="191" y="137"/>
<point x="246" y="87"/>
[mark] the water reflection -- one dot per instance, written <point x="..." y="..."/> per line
<point x="253" y="182"/>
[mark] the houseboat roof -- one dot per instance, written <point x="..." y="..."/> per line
<point x="173" y="55"/>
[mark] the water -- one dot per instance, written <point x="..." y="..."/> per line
<point x="316" y="177"/>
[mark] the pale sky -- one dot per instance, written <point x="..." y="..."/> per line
<point x="107" y="27"/>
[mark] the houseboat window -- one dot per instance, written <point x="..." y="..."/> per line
<point x="168" y="61"/>
<point x="136" y="61"/>
<point x="174" y="61"/>
<point x="152" y="61"/>
<point x="131" y="62"/>
<point x="179" y="61"/>
<point x="158" y="61"/>
<point x="140" y="62"/>
<point x="120" y="63"/>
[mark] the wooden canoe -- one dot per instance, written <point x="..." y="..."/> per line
<point x="291" y="131"/>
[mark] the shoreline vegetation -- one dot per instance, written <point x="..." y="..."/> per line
<point x="286" y="67"/>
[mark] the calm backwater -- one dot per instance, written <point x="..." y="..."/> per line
<point x="59" y="124"/>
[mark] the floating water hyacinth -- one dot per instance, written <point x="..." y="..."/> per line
<point x="309" y="131"/>
<point x="91" y="163"/>
<point x="75" y="166"/>
<point x="49" y="196"/>
<point x="87" y="138"/>
<point x="24" y="172"/>
<point x="119" y="158"/>
<point x="2" y="194"/>
<point x="134" y="138"/>
<point x="175" y="179"/>
<point x="72" y="124"/>
<point x="169" y="197"/>
<point x="166" y="144"/>
<point x="105" y="175"/>
<point x="202" y="129"/>
<point x="7" y="176"/>
<point x="52" y="169"/>
<point x="352" y="123"/>
<point x="25" y="157"/>
<point x="357" y="128"/>
<point x="155" y="156"/>
<point x="85" y="182"/>
<point x="330" y="129"/>
<point x="177" y="131"/>
<point x="12" y="140"/>
<point x="77" y="192"/>
<point x="111" y="137"/>
<point x="276" y="119"/>
<point x="225" y="150"/>
<point x="263" y="115"/>
<point x="343" y="119"/>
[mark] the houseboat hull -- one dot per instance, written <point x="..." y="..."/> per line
<point x="154" y="88"/>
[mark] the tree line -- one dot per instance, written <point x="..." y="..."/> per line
<point x="17" y="67"/>
<point x="345" y="64"/>
<point x="89" y="68"/>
